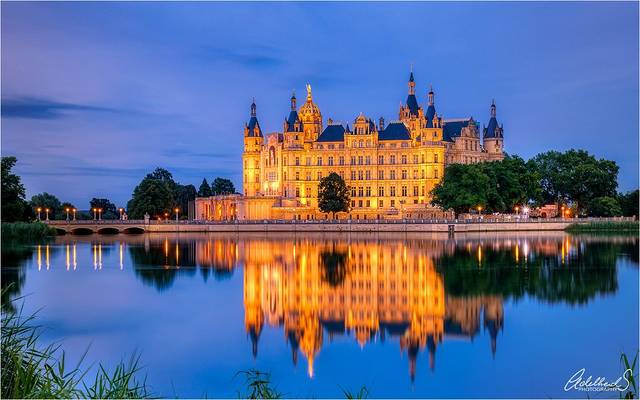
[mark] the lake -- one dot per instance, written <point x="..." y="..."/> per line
<point x="406" y="315"/>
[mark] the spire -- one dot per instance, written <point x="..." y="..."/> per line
<point x="493" y="108"/>
<point x="293" y="101"/>
<point x="412" y="83"/>
<point x="253" y="107"/>
<point x="430" y="95"/>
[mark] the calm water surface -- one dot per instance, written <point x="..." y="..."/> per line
<point x="408" y="316"/>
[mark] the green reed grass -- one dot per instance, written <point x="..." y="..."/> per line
<point x="26" y="231"/>
<point x="632" y="390"/>
<point x="258" y="386"/>
<point x="33" y="371"/>
<point x="604" y="226"/>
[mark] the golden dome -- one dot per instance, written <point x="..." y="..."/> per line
<point x="309" y="109"/>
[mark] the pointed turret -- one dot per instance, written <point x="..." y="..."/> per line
<point x="412" y="102"/>
<point x="252" y="129"/>
<point x="493" y="136"/>
<point x="293" y="123"/>
<point x="493" y="130"/>
<point x="431" y="108"/>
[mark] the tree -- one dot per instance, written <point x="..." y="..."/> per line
<point x="185" y="194"/>
<point x="154" y="195"/>
<point x="109" y="210"/>
<point x="205" y="189"/>
<point x="575" y="176"/>
<point x="463" y="187"/>
<point x="629" y="203"/>
<point x="221" y="186"/>
<point x="14" y="204"/>
<point x="46" y="201"/>
<point x="333" y="194"/>
<point x="604" y="207"/>
<point x="63" y="211"/>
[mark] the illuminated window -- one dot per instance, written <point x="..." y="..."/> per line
<point x="435" y="157"/>
<point x="392" y="174"/>
<point x="330" y="161"/>
<point x="404" y="174"/>
<point x="341" y="160"/>
<point x="380" y="160"/>
<point x="392" y="159"/>
<point x="404" y="191"/>
<point x="380" y="174"/>
<point x="404" y="158"/>
<point x="392" y="193"/>
<point x="367" y="191"/>
<point x="381" y="191"/>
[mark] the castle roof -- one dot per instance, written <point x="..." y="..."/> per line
<point x="293" y="118"/>
<point x="395" y="131"/>
<point x="254" y="127"/>
<point x="431" y="112"/>
<point x="332" y="133"/>
<point x="492" y="130"/>
<point x="452" y="128"/>
<point x="412" y="103"/>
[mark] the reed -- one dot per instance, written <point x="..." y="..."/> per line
<point x="604" y="226"/>
<point x="26" y="231"/>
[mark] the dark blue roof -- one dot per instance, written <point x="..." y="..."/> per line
<point x="293" y="117"/>
<point x="452" y="129"/>
<point x="394" y="131"/>
<point x="412" y="103"/>
<point x="411" y="77"/>
<point x="254" y="127"/>
<point x="332" y="133"/>
<point x="431" y="112"/>
<point x="492" y="131"/>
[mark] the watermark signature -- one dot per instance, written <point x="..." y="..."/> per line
<point x="598" y="383"/>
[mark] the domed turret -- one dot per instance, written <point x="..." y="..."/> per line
<point x="311" y="117"/>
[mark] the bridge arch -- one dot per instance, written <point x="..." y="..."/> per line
<point x="60" y="231"/>
<point x="109" y="230"/>
<point x="135" y="230"/>
<point x="82" y="231"/>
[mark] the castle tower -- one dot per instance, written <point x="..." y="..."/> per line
<point x="311" y="118"/>
<point x="253" y="141"/>
<point x="431" y="109"/>
<point x="493" y="137"/>
<point x="411" y="113"/>
<point x="293" y="128"/>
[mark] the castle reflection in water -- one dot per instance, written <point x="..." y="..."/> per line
<point x="414" y="290"/>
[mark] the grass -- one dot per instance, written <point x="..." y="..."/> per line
<point x="258" y="386"/>
<point x="605" y="226"/>
<point x="32" y="371"/>
<point x="632" y="390"/>
<point x="26" y="231"/>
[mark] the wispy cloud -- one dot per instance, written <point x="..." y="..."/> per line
<point x="39" y="108"/>
<point x="256" y="57"/>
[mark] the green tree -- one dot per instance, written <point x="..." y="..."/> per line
<point x="14" y="204"/>
<point x="109" y="210"/>
<point x="205" y="189"/>
<point x="221" y="186"/>
<point x="629" y="203"/>
<point x="463" y="187"/>
<point x="63" y="211"/>
<point x="185" y="194"/>
<point x="604" y="207"/>
<point x="154" y="195"/>
<point x="44" y="201"/>
<point x="333" y="194"/>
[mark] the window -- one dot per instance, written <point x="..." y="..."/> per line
<point x="368" y="204"/>
<point x="367" y="174"/>
<point x="404" y="191"/>
<point x="359" y="175"/>
<point x="381" y="191"/>
<point x="404" y="158"/>
<point x="353" y="203"/>
<point x="404" y="174"/>
<point x="392" y="193"/>
<point x="308" y="176"/>
<point x="353" y="160"/>
<point x="297" y="160"/>
<point x="359" y="203"/>
<point x="320" y="161"/>
<point x="422" y="158"/>
<point x="422" y="174"/>
<point x="393" y="203"/>
<point x="308" y="160"/>
<point x="415" y="174"/>
<point x="392" y="174"/>
<point x="380" y="160"/>
<point x="353" y="192"/>
<point x="353" y="175"/>
<point x="285" y="175"/>
<point x="435" y="157"/>
<point x="404" y="144"/>
<point x="319" y="175"/>
<point x="415" y="190"/>
<point x="392" y="159"/>
<point x="367" y="191"/>
<point x="330" y="161"/>
<point x="435" y="173"/>
<point x="360" y="191"/>
<point x="359" y="160"/>
<point x="297" y="191"/>
<point x="415" y="158"/>
<point x="341" y="160"/>
<point x="380" y="174"/>
<point x="297" y="175"/>
<point x="380" y="203"/>
<point x="423" y="190"/>
<point x="367" y="160"/>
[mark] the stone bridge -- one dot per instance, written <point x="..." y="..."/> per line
<point x="103" y="227"/>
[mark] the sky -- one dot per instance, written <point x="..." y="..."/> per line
<point x="97" y="95"/>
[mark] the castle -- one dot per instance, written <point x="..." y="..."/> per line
<point x="389" y="168"/>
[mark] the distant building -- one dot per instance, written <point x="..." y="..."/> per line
<point x="389" y="168"/>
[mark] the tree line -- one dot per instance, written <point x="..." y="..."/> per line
<point x="573" y="179"/>
<point x="157" y="194"/>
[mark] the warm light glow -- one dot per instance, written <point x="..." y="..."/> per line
<point x="39" y="209"/>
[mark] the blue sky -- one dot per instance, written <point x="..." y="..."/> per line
<point x="95" y="95"/>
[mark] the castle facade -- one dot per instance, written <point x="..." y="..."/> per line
<point x="389" y="168"/>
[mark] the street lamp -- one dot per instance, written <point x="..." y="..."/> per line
<point x="166" y="216"/>
<point x="39" y="209"/>
<point x="46" y="210"/>
<point x="562" y="212"/>
<point x="100" y="214"/>
<point x="74" y="214"/>
<point x="121" y="211"/>
<point x="67" y="210"/>
<point x="517" y="209"/>
<point x="95" y="210"/>
<point x="177" y="210"/>
<point x="479" y="209"/>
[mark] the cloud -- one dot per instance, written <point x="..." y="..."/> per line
<point x="256" y="57"/>
<point x="39" y="108"/>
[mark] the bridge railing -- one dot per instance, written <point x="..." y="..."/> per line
<point x="488" y="219"/>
